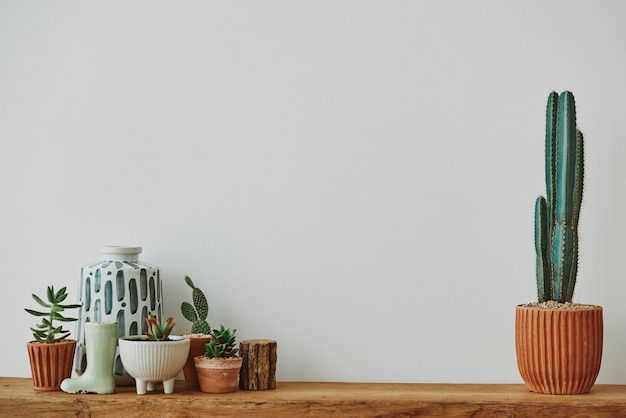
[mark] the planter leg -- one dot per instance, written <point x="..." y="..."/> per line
<point x="141" y="385"/>
<point x="98" y="377"/>
<point x="168" y="385"/>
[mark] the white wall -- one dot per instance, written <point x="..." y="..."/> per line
<point x="355" y="179"/>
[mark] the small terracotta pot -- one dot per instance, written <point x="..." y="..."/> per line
<point x="559" y="351"/>
<point x="218" y="375"/>
<point x="196" y="348"/>
<point x="50" y="363"/>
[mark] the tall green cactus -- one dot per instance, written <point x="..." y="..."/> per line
<point x="197" y="313"/>
<point x="556" y="216"/>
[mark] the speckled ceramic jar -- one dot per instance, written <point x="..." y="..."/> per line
<point x="121" y="289"/>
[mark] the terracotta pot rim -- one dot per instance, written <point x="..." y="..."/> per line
<point x="196" y="335"/>
<point x="65" y="341"/>
<point x="222" y="359"/>
<point x="206" y="363"/>
<point x="588" y="307"/>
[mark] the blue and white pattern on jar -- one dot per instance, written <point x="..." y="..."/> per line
<point x="121" y="289"/>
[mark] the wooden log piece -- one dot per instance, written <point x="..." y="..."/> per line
<point x="258" y="371"/>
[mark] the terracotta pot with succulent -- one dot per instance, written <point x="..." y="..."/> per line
<point x="52" y="353"/>
<point x="559" y="343"/>
<point x="218" y="369"/>
<point x="154" y="357"/>
<point x="200" y="329"/>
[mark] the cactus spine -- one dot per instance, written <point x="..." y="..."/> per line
<point x="197" y="313"/>
<point x="557" y="214"/>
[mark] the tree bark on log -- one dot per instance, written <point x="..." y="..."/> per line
<point x="258" y="371"/>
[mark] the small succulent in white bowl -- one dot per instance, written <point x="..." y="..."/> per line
<point x="154" y="357"/>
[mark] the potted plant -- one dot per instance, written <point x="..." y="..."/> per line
<point x="218" y="369"/>
<point x="154" y="357"/>
<point x="200" y="329"/>
<point x="51" y="353"/>
<point x="559" y="343"/>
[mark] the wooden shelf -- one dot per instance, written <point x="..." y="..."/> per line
<point x="313" y="399"/>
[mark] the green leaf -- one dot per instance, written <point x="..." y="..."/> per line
<point x="60" y="296"/>
<point x="35" y="313"/>
<point x="64" y="319"/>
<point x="41" y="302"/>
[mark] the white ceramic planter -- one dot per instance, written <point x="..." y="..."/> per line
<point x="151" y="362"/>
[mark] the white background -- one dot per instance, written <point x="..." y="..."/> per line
<point x="354" y="179"/>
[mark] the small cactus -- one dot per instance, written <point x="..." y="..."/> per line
<point x="557" y="214"/>
<point x="198" y="312"/>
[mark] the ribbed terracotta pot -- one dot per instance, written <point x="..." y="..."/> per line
<point x="218" y="375"/>
<point x="50" y="363"/>
<point x="559" y="351"/>
<point x="197" y="347"/>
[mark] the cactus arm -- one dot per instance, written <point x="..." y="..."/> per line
<point x="573" y="229"/>
<point x="189" y="282"/>
<point x="573" y="266"/>
<point x="566" y="158"/>
<point x="200" y="302"/>
<point x="541" y="246"/>
<point x="578" y="177"/>
<point x="188" y="312"/>
<point x="568" y="199"/>
<point x="551" y="140"/>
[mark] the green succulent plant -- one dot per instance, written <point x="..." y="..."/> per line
<point x="198" y="312"/>
<point x="222" y="344"/>
<point x="158" y="331"/>
<point x="46" y="332"/>
<point x="557" y="214"/>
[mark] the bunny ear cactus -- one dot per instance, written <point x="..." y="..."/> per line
<point x="557" y="214"/>
<point x="198" y="312"/>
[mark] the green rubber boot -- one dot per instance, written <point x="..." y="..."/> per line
<point x="101" y="343"/>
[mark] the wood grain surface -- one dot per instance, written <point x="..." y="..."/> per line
<point x="317" y="399"/>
